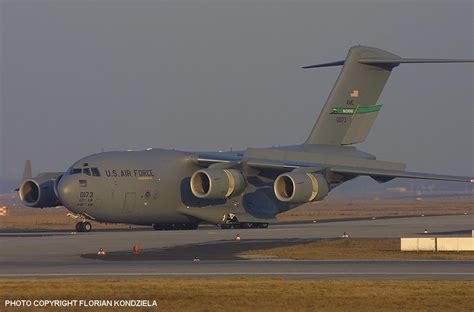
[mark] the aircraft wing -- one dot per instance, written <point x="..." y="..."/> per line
<point x="391" y="174"/>
<point x="376" y="173"/>
<point x="209" y="158"/>
<point x="379" y="174"/>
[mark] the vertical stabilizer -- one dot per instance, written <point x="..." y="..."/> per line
<point x="27" y="170"/>
<point x="352" y="107"/>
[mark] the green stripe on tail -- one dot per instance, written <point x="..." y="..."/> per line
<point x="358" y="110"/>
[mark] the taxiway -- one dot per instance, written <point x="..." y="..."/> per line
<point x="171" y="253"/>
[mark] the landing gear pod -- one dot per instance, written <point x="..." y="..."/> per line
<point x="300" y="187"/>
<point x="38" y="193"/>
<point x="217" y="183"/>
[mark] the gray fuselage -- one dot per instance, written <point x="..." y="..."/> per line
<point x="152" y="186"/>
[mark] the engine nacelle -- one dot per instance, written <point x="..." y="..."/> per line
<point x="39" y="192"/>
<point x="300" y="187"/>
<point x="217" y="183"/>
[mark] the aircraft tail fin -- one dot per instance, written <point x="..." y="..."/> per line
<point x="351" y="108"/>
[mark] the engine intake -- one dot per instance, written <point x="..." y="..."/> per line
<point x="300" y="187"/>
<point x="217" y="183"/>
<point x="38" y="193"/>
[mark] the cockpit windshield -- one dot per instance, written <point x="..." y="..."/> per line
<point x="75" y="171"/>
<point x="88" y="171"/>
<point x="95" y="172"/>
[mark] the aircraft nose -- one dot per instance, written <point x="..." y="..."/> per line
<point x="66" y="189"/>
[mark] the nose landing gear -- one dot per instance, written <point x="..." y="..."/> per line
<point x="83" y="226"/>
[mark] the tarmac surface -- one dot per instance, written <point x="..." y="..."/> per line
<point x="171" y="253"/>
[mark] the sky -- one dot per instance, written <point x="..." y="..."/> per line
<point x="78" y="77"/>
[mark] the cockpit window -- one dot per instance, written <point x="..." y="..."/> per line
<point x="95" y="172"/>
<point x="75" y="171"/>
<point x="89" y="171"/>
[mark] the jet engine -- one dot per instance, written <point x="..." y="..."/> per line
<point x="39" y="192"/>
<point x="300" y="187"/>
<point x="217" y="183"/>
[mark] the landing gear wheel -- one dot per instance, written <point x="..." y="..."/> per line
<point x="79" y="227"/>
<point x="262" y="225"/>
<point x="158" y="226"/>
<point x="86" y="226"/>
<point x="175" y="226"/>
<point x="83" y="226"/>
<point x="246" y="225"/>
<point x="226" y="226"/>
<point x="192" y="226"/>
<point x="169" y="226"/>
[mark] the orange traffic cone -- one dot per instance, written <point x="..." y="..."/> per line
<point x="101" y="252"/>
<point x="137" y="249"/>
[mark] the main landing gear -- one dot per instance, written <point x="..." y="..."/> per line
<point x="230" y="221"/>
<point x="244" y="225"/>
<point x="175" y="226"/>
<point x="83" y="226"/>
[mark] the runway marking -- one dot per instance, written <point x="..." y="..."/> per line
<point x="229" y="273"/>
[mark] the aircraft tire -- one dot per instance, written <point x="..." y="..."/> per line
<point x="226" y="226"/>
<point x="86" y="226"/>
<point x="262" y="225"/>
<point x="175" y="226"/>
<point x="79" y="227"/>
<point x="158" y="226"/>
<point x="246" y="225"/>
<point x="191" y="226"/>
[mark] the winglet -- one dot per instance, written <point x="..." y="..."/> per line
<point x="27" y="171"/>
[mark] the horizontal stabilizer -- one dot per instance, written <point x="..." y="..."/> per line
<point x="338" y="63"/>
<point x="395" y="61"/>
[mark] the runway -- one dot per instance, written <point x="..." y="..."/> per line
<point x="171" y="253"/>
<point x="452" y="270"/>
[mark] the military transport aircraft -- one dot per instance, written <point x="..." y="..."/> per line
<point x="171" y="189"/>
